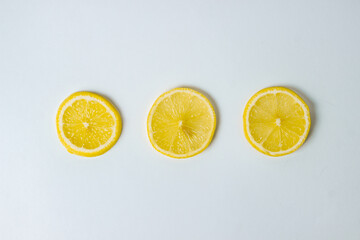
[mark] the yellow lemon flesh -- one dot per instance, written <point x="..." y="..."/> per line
<point x="181" y="123"/>
<point x="88" y="124"/>
<point x="276" y="121"/>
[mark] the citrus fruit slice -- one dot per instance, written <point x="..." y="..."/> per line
<point x="87" y="124"/>
<point x="276" y="121"/>
<point x="181" y="123"/>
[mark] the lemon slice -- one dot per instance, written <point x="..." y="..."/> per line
<point x="276" y="121"/>
<point x="181" y="123"/>
<point x="87" y="124"/>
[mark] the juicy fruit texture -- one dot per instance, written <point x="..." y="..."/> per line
<point x="181" y="123"/>
<point x="88" y="124"/>
<point x="276" y="121"/>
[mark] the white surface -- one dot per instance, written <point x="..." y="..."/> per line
<point x="132" y="51"/>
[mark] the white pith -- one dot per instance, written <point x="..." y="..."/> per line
<point x="158" y="101"/>
<point x="301" y="138"/>
<point x="81" y="149"/>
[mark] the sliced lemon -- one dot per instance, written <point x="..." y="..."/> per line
<point x="181" y="123"/>
<point x="88" y="124"/>
<point x="276" y="121"/>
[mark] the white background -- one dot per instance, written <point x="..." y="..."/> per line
<point x="131" y="52"/>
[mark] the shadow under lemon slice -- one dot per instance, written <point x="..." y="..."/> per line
<point x="276" y="121"/>
<point x="88" y="124"/>
<point x="181" y="123"/>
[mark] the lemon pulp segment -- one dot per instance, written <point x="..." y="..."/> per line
<point x="88" y="124"/>
<point x="276" y="121"/>
<point x="181" y="123"/>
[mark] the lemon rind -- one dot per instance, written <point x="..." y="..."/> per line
<point x="109" y="108"/>
<point x="152" y="110"/>
<point x="251" y="103"/>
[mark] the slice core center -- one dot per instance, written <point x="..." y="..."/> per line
<point x="278" y="122"/>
